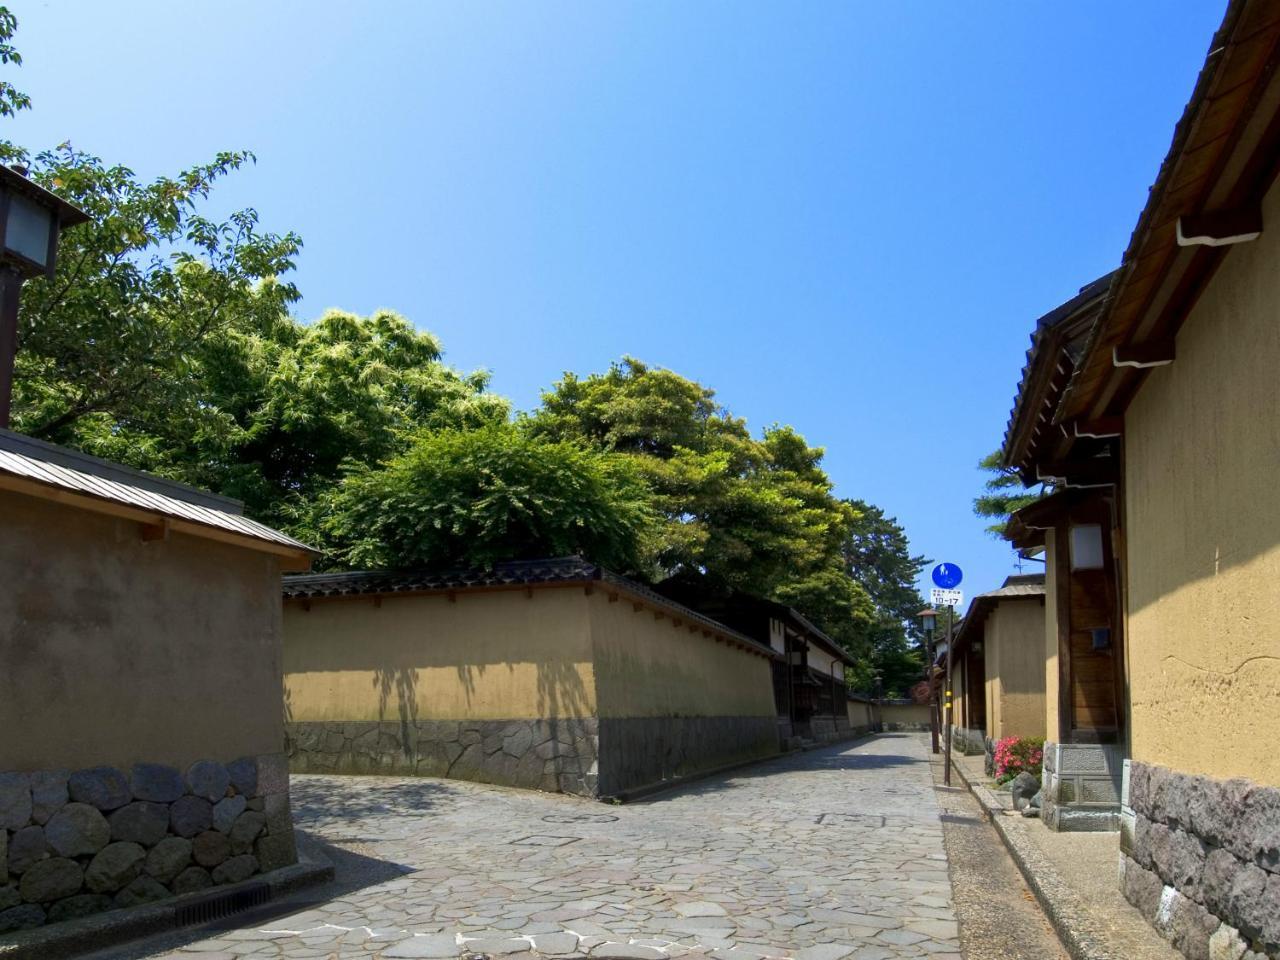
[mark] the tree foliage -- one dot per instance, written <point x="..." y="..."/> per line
<point x="1004" y="493"/>
<point x="751" y="514"/>
<point x="481" y="496"/>
<point x="11" y="98"/>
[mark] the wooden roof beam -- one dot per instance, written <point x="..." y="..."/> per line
<point x="1220" y="228"/>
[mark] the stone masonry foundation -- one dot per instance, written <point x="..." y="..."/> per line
<point x="1200" y="859"/>
<point x="78" y="843"/>
<point x="1082" y="786"/>
<point x="555" y="755"/>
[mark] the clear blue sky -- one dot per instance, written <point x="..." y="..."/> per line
<point x="844" y="216"/>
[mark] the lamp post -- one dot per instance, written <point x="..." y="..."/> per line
<point x="30" y="220"/>
<point x="947" y="720"/>
<point x="929" y="623"/>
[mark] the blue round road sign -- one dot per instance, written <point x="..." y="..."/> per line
<point x="947" y="576"/>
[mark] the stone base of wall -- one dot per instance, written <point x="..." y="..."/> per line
<point x="638" y="752"/>
<point x="968" y="741"/>
<point x="78" y="843"/>
<point x="1082" y="786"/>
<point x="553" y="755"/>
<point x="896" y="726"/>
<point x="1201" y="860"/>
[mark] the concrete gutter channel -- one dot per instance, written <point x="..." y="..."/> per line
<point x="76" y="938"/>
<point x="1077" y="930"/>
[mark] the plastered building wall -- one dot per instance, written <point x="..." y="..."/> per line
<point x="651" y="667"/>
<point x="484" y="656"/>
<point x="118" y="651"/>
<point x="1202" y="447"/>
<point x="1014" y="645"/>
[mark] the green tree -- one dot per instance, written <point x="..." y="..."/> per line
<point x="475" y="497"/>
<point x="751" y="514"/>
<point x="11" y="99"/>
<point x="112" y="349"/>
<point x="1004" y="493"/>
<point x="878" y="557"/>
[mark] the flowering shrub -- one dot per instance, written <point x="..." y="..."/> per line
<point x="1014" y="755"/>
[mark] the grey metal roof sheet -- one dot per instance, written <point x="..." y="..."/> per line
<point x="554" y="570"/>
<point x="30" y="465"/>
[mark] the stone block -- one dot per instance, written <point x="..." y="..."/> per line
<point x="273" y="773"/>
<point x="1161" y="848"/>
<point x="243" y="832"/>
<point x="211" y="848"/>
<point x="1189" y="926"/>
<point x="142" y="890"/>
<point x="1246" y="907"/>
<point x="48" y="794"/>
<point x="275" y="810"/>
<point x="276" y="851"/>
<point x="103" y="787"/>
<point x="235" y="869"/>
<point x="9" y="896"/>
<point x="81" y="905"/>
<point x="1271" y="913"/>
<point x="115" y="866"/>
<point x="25" y="917"/>
<point x="226" y="810"/>
<point x="51" y="879"/>
<point x="15" y="801"/>
<point x="1257" y="831"/>
<point x="1139" y="789"/>
<point x="192" y="879"/>
<point x="1220" y="869"/>
<point x="4" y="857"/>
<point x="190" y="816"/>
<point x="519" y="742"/>
<point x="1226" y="944"/>
<point x="208" y="779"/>
<point x="168" y="858"/>
<point x="1142" y="888"/>
<point x="78" y="829"/>
<point x="141" y="822"/>
<point x="26" y="846"/>
<point x="1186" y="863"/>
<point x="156" y="782"/>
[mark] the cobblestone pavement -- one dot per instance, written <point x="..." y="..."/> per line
<point x="827" y="855"/>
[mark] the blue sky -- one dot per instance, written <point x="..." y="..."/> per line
<point x="842" y="216"/>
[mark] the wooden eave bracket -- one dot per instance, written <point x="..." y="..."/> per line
<point x="1099" y="429"/>
<point x="153" y="532"/>
<point x="1219" y="228"/>
<point x="1095" y="472"/>
<point x="1154" y="353"/>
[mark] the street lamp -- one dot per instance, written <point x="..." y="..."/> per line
<point x="929" y="623"/>
<point x="30" y="220"/>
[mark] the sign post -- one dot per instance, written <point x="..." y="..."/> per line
<point x="947" y="576"/>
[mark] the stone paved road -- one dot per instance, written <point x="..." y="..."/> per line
<point x="826" y="855"/>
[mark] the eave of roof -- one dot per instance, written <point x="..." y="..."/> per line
<point x="513" y="575"/>
<point x="42" y="470"/>
<point x="1045" y="374"/>
<point x="1222" y="153"/>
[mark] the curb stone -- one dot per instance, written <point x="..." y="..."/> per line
<point x="1063" y="908"/>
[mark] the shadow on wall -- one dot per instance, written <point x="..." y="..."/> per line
<point x="401" y="685"/>
<point x="561" y="691"/>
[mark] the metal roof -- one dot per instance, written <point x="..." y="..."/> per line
<point x="61" y="469"/>
<point x="554" y="571"/>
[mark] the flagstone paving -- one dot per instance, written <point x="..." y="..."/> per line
<point x="834" y="854"/>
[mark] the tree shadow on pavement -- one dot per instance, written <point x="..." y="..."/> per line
<point x="321" y="801"/>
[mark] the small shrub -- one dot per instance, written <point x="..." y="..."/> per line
<point x="1015" y="755"/>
